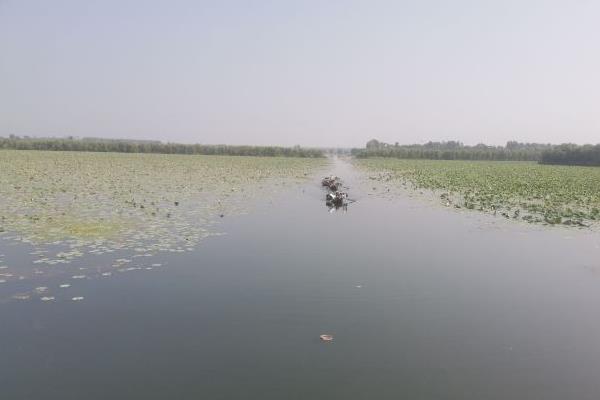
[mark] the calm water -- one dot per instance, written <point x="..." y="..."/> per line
<point x="448" y="306"/>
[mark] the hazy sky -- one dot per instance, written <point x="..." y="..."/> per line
<point x="303" y="72"/>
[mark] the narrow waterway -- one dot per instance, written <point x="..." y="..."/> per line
<point x="423" y="303"/>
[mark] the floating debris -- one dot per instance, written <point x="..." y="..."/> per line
<point x="333" y="183"/>
<point x="65" y="285"/>
<point x="47" y="298"/>
<point x="77" y="298"/>
<point x="326" y="337"/>
<point x="78" y="276"/>
<point x="335" y="198"/>
<point x="106" y="274"/>
<point x="41" y="289"/>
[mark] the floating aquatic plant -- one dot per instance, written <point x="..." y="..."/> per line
<point x="67" y="204"/>
<point x="516" y="190"/>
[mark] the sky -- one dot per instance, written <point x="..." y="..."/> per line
<point x="310" y="73"/>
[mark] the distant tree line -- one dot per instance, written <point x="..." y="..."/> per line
<point x="571" y="154"/>
<point x="143" y="146"/>
<point x="565" y="154"/>
<point x="453" y="150"/>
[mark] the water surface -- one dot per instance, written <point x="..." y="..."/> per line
<point x="424" y="303"/>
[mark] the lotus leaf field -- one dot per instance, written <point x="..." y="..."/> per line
<point x="48" y="196"/>
<point x="517" y="190"/>
<point x="65" y="205"/>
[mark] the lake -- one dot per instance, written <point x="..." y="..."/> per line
<point x="424" y="302"/>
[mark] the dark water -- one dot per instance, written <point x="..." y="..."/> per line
<point x="450" y="306"/>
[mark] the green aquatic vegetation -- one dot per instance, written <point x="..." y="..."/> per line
<point x="517" y="190"/>
<point x="69" y="207"/>
<point x="155" y="201"/>
<point x="52" y="228"/>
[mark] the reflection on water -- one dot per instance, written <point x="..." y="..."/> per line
<point x="423" y="303"/>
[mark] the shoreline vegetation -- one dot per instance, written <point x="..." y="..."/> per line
<point x="563" y="154"/>
<point x="151" y="146"/>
